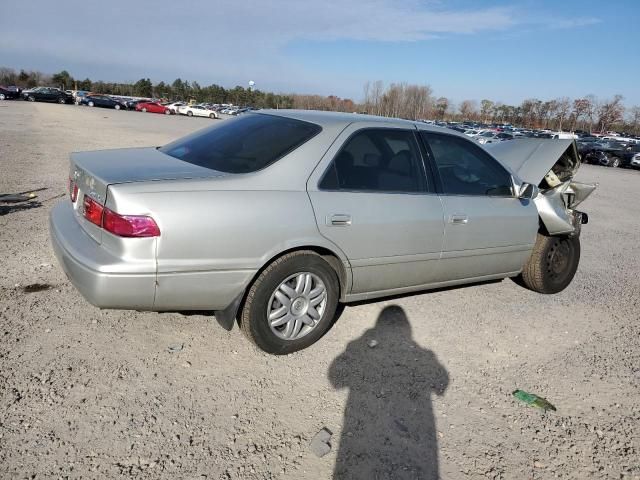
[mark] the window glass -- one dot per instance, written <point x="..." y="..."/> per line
<point x="465" y="169"/>
<point x="246" y="144"/>
<point x="382" y="160"/>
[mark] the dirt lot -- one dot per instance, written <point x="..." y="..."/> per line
<point x="86" y="393"/>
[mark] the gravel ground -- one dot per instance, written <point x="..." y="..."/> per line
<point x="86" y="393"/>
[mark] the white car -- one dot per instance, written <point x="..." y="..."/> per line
<point x="175" y="106"/>
<point x="197" y="111"/>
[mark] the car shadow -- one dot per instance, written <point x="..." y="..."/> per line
<point x="389" y="428"/>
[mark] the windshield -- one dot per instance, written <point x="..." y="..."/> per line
<point x="246" y="144"/>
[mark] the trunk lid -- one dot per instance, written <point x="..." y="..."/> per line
<point x="93" y="172"/>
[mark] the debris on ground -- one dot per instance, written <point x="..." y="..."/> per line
<point x="175" y="347"/>
<point x="320" y="445"/>
<point x="36" y="287"/>
<point x="533" y="400"/>
<point x="372" y="343"/>
<point x="16" y="198"/>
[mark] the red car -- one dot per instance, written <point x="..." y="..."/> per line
<point x="152" y="107"/>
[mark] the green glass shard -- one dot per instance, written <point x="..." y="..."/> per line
<point x="533" y="400"/>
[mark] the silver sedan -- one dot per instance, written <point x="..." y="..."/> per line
<point x="274" y="218"/>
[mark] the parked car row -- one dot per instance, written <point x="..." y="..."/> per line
<point x="609" y="149"/>
<point x="146" y="105"/>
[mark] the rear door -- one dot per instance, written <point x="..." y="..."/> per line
<point x="371" y="197"/>
<point x="488" y="230"/>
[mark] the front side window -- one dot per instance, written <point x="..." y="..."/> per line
<point x="465" y="169"/>
<point x="383" y="160"/>
<point x="246" y="144"/>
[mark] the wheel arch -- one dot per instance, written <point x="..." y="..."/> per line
<point x="227" y="317"/>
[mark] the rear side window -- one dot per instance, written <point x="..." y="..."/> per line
<point x="377" y="160"/>
<point x="246" y="144"/>
<point x="466" y="169"/>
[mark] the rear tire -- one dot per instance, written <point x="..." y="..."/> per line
<point x="144" y="110"/>
<point x="91" y="104"/>
<point x="212" y="116"/>
<point x="62" y="101"/>
<point x="261" y="302"/>
<point x="117" y="107"/>
<point x="615" y="162"/>
<point x="2" y="97"/>
<point x="31" y="99"/>
<point x="189" y="114"/>
<point x="167" y="112"/>
<point x="552" y="264"/>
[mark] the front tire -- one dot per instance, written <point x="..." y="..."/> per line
<point x="117" y="107"/>
<point x="615" y="162"/>
<point x="167" y="112"/>
<point x="552" y="265"/>
<point x="144" y="110"/>
<point x="61" y="101"/>
<point x="189" y="114"/>
<point x="291" y="304"/>
<point x="91" y="104"/>
<point x="31" y="99"/>
<point x="212" y="116"/>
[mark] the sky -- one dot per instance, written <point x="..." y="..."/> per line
<point x="463" y="49"/>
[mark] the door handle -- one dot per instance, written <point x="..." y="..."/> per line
<point x="339" y="220"/>
<point x="459" y="219"/>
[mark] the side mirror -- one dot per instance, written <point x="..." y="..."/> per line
<point x="528" y="191"/>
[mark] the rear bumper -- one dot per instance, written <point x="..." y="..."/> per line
<point x="107" y="281"/>
<point x="98" y="275"/>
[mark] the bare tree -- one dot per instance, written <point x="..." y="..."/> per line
<point x="486" y="109"/>
<point x="468" y="109"/>
<point x="591" y="108"/>
<point x="563" y="107"/>
<point x="442" y="105"/>
<point x="580" y="109"/>
<point x="376" y="96"/>
<point x="634" y="117"/>
<point x="610" y="112"/>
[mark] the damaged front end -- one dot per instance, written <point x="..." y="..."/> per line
<point x="552" y="165"/>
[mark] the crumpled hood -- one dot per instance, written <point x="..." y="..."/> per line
<point x="532" y="158"/>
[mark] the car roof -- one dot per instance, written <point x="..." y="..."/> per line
<point x="333" y="119"/>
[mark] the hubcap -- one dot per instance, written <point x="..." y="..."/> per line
<point x="297" y="306"/>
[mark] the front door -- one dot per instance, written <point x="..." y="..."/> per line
<point x="371" y="198"/>
<point x="488" y="231"/>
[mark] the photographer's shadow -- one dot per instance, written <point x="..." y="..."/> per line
<point x="389" y="428"/>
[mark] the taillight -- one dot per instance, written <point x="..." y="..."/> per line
<point x="93" y="211"/>
<point x="135" y="226"/>
<point x="129" y="225"/>
<point x="73" y="190"/>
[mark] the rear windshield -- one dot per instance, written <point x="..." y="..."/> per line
<point x="246" y="144"/>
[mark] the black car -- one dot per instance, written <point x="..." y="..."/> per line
<point x="47" y="94"/>
<point x="605" y="156"/>
<point x="630" y="156"/>
<point x="7" y="93"/>
<point x="102" y="101"/>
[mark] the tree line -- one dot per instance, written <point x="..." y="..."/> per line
<point x="177" y="90"/>
<point x="586" y="113"/>
<point x="401" y="100"/>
